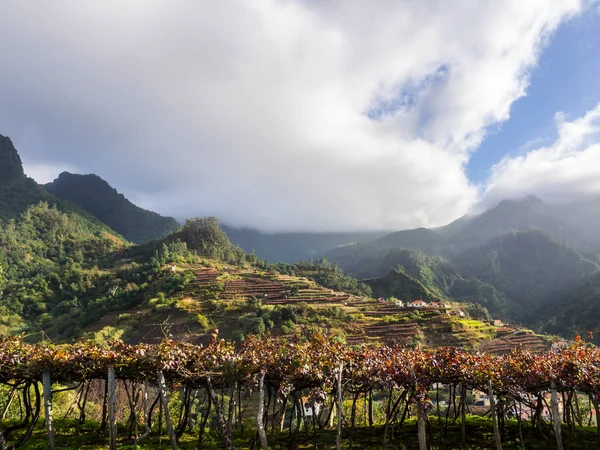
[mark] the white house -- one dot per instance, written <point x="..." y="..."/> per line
<point x="308" y="411"/>
<point x="417" y="304"/>
<point x="400" y="303"/>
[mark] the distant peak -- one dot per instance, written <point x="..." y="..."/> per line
<point x="11" y="166"/>
<point x="88" y="179"/>
<point x="530" y="200"/>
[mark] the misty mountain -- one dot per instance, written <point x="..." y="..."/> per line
<point x="293" y="247"/>
<point x="96" y="196"/>
<point x="510" y="215"/>
<point x="564" y="222"/>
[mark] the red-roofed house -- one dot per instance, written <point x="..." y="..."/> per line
<point x="417" y="304"/>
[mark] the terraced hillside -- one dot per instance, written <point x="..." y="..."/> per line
<point x="527" y="340"/>
<point x="240" y="301"/>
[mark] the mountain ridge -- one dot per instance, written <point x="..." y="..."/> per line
<point x="96" y="196"/>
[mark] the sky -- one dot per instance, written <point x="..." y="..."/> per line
<point x="301" y="115"/>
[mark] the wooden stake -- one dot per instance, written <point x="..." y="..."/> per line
<point x="162" y="385"/>
<point x="112" y="421"/>
<point x="420" y="415"/>
<point x="556" y="416"/>
<point x="261" y="409"/>
<point x="47" y="384"/>
<point x="494" y="417"/>
<point x="338" y="440"/>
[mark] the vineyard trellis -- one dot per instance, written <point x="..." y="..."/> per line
<point x="283" y="372"/>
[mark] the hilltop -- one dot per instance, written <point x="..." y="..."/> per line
<point x="94" y="195"/>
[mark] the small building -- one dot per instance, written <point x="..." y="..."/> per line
<point x="498" y="323"/>
<point x="480" y="398"/>
<point x="434" y="305"/>
<point x="381" y="300"/>
<point x="399" y="303"/>
<point x="173" y="268"/>
<point x="417" y="304"/>
<point x="308" y="407"/>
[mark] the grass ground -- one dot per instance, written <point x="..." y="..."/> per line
<point x="70" y="436"/>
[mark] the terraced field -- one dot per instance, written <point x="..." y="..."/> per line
<point x="523" y="339"/>
<point x="219" y="296"/>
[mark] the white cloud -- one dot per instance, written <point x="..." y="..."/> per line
<point x="564" y="171"/>
<point x="258" y="111"/>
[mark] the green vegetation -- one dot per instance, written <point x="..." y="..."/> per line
<point x="399" y="284"/>
<point x="324" y="273"/>
<point x="530" y="268"/>
<point x="478" y="436"/>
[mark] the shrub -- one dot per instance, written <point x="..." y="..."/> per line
<point x="202" y="321"/>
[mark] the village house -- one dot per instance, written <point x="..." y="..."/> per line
<point x="480" y="398"/>
<point x="381" y="300"/>
<point x="434" y="305"/>
<point x="498" y="323"/>
<point x="399" y="303"/>
<point x="308" y="410"/>
<point x="417" y="304"/>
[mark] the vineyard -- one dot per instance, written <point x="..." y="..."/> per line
<point x="294" y="382"/>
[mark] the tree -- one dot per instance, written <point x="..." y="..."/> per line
<point x="206" y="236"/>
<point x="2" y="279"/>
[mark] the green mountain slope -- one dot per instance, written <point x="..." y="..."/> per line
<point x="94" y="195"/>
<point x="400" y="285"/>
<point x="530" y="267"/>
<point x="575" y="312"/>
<point x="49" y="262"/>
<point x="368" y="259"/>
<point x="439" y="278"/>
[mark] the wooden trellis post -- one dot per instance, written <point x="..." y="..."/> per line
<point x="338" y="440"/>
<point x="420" y="415"/>
<point x="47" y="384"/>
<point x="494" y="416"/>
<point x="112" y="416"/>
<point x="556" y="416"/>
<point x="162" y="385"/>
<point x="260" y="415"/>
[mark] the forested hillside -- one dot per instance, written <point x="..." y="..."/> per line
<point x="51" y="265"/>
<point x="574" y="311"/>
<point x="94" y="195"/>
<point x="531" y="268"/>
